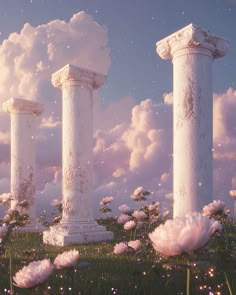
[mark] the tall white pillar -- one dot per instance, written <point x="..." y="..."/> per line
<point x="23" y="113"/>
<point x="192" y="51"/>
<point x="78" y="224"/>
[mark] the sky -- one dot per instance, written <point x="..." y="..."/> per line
<point x="132" y="125"/>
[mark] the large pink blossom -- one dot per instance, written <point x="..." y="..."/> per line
<point x="106" y="200"/>
<point x="66" y="259"/>
<point x="139" y="215"/>
<point x="136" y="245"/>
<point x="123" y="218"/>
<point x="183" y="234"/>
<point x="33" y="274"/>
<point x="129" y="225"/>
<point x="120" y="248"/>
<point x="213" y="208"/>
<point x="124" y="208"/>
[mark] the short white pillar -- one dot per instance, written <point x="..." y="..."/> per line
<point x="192" y="51"/>
<point x="78" y="224"/>
<point x="23" y="113"/>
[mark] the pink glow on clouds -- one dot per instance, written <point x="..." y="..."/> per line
<point x="132" y="141"/>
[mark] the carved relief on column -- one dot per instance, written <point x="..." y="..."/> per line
<point x="192" y="36"/>
<point x="72" y="75"/>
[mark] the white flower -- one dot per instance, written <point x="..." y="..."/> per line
<point x="139" y="215"/>
<point x="66" y="259"/>
<point x="129" y="225"/>
<point x="3" y="230"/>
<point x="136" y="245"/>
<point x="33" y="274"/>
<point x="106" y="200"/>
<point x="183" y="234"/>
<point x="213" y="208"/>
<point x="120" y="248"/>
<point x="5" y="197"/>
<point x="124" y="208"/>
<point x="123" y="218"/>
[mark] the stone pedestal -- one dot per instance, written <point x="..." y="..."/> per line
<point x="23" y="113"/>
<point x="192" y="51"/>
<point x="77" y="224"/>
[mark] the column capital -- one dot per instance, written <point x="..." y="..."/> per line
<point x="22" y="106"/>
<point x="192" y="36"/>
<point x="72" y="75"/>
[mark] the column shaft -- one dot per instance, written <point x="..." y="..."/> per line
<point x="23" y="114"/>
<point x="192" y="111"/>
<point x="22" y="160"/>
<point x="77" y="153"/>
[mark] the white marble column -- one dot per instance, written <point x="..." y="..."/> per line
<point x="23" y="114"/>
<point x="192" y="51"/>
<point x="77" y="224"/>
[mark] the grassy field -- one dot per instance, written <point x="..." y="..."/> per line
<point x="100" y="272"/>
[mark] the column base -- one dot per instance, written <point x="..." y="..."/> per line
<point x="81" y="232"/>
<point x="31" y="227"/>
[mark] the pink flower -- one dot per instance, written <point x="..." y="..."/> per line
<point x="129" y="225"/>
<point x="232" y="194"/>
<point x="106" y="200"/>
<point x="123" y="218"/>
<point x="139" y="194"/>
<point x="213" y="208"/>
<point x="120" y="248"/>
<point x="136" y="245"/>
<point x="153" y="206"/>
<point x="3" y="230"/>
<point x="55" y="202"/>
<point x="139" y="215"/>
<point x="5" y="197"/>
<point x="183" y="234"/>
<point x="124" y="208"/>
<point x="33" y="274"/>
<point x="66" y="259"/>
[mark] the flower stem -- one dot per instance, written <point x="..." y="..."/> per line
<point x="228" y="285"/>
<point x="188" y="281"/>
<point x="11" y="283"/>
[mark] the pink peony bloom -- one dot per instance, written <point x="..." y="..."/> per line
<point x="136" y="245"/>
<point x="120" y="248"/>
<point x="129" y="225"/>
<point x="124" y="208"/>
<point x="55" y="202"/>
<point x="232" y="194"/>
<point x="66" y="259"/>
<point x="138" y="191"/>
<point x="33" y="274"/>
<point x="123" y="218"/>
<point x="139" y="215"/>
<point x="183" y="234"/>
<point x="106" y="200"/>
<point x="213" y="208"/>
<point x="154" y="206"/>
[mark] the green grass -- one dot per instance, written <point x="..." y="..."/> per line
<point x="100" y="272"/>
